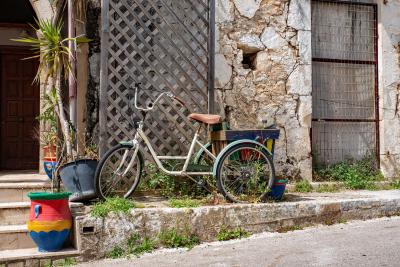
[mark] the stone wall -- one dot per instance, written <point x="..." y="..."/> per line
<point x="389" y="66"/>
<point x="96" y="237"/>
<point x="263" y="72"/>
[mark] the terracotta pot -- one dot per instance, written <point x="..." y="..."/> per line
<point x="49" y="152"/>
<point x="50" y="220"/>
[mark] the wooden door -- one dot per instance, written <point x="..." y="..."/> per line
<point x="19" y="107"/>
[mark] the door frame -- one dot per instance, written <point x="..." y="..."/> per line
<point x="14" y="50"/>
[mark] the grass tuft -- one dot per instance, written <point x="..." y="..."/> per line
<point x="395" y="184"/>
<point x="184" y="203"/>
<point x="138" y="247"/>
<point x="115" y="253"/>
<point x="303" y="186"/>
<point x="102" y="209"/>
<point x="172" y="239"/>
<point x="330" y="188"/>
<point x="237" y="233"/>
<point x="354" y="174"/>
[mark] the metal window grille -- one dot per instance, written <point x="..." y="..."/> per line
<point x="345" y="82"/>
<point x="165" y="45"/>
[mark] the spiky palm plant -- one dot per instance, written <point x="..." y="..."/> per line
<point x="52" y="51"/>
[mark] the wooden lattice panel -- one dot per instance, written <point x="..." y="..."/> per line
<point x="164" y="45"/>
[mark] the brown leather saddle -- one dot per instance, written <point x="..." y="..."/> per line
<point x="205" y="118"/>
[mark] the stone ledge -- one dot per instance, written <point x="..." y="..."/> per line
<point x="99" y="236"/>
<point x="19" y="255"/>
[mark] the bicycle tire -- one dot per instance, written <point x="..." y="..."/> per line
<point x="103" y="161"/>
<point x="232" y="153"/>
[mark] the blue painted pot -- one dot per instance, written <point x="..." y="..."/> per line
<point x="49" y="166"/>
<point x="278" y="189"/>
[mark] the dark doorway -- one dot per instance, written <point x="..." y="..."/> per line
<point x="19" y="107"/>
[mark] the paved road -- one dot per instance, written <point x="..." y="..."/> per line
<point x="369" y="243"/>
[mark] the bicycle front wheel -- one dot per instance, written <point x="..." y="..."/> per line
<point x="119" y="172"/>
<point x="245" y="173"/>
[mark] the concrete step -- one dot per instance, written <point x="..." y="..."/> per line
<point x="14" y="213"/>
<point x="15" y="237"/>
<point x="17" y="213"/>
<point x="18" y="191"/>
<point x="32" y="257"/>
<point x="22" y="176"/>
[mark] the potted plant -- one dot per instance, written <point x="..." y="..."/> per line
<point x="54" y="55"/>
<point x="48" y="138"/>
<point x="278" y="189"/>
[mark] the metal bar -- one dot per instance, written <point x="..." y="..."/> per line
<point x="345" y="2"/>
<point x="206" y="150"/>
<point x="376" y="87"/>
<point x="191" y="151"/>
<point x="172" y="157"/>
<point x="345" y="61"/>
<point x="211" y="61"/>
<point x="105" y="30"/>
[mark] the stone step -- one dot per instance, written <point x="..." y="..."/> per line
<point x="18" y="191"/>
<point x="17" y="213"/>
<point x="32" y="257"/>
<point x="22" y="177"/>
<point x="15" y="237"/>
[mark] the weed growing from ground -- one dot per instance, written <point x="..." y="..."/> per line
<point x="170" y="186"/>
<point x="138" y="247"/>
<point x="61" y="263"/>
<point x="172" y="239"/>
<point x="237" y="233"/>
<point x="330" y="188"/>
<point x="395" y="184"/>
<point x="359" y="174"/>
<point x="184" y="203"/>
<point x="303" y="186"/>
<point x="115" y="253"/>
<point x="102" y="209"/>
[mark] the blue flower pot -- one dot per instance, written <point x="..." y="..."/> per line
<point x="278" y="189"/>
<point x="49" y="167"/>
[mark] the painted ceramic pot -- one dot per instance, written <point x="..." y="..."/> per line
<point x="50" y="220"/>
<point x="49" y="151"/>
<point x="49" y="165"/>
<point x="278" y="189"/>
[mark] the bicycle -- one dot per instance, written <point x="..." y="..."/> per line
<point x="243" y="170"/>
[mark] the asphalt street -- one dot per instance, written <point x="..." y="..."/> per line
<point x="360" y="243"/>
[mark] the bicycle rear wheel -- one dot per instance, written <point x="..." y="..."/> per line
<point x="119" y="172"/>
<point x="245" y="173"/>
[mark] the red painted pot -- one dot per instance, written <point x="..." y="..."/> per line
<point x="50" y="219"/>
<point x="49" y="152"/>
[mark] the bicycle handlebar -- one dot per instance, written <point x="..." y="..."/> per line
<point x="151" y="105"/>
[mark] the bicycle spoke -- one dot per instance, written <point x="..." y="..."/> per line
<point x="120" y="173"/>
<point x="245" y="173"/>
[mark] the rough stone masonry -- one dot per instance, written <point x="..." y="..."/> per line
<point x="263" y="72"/>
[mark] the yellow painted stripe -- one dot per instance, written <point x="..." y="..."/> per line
<point x="270" y="143"/>
<point x="47" y="226"/>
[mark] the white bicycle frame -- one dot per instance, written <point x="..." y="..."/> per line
<point x="140" y="134"/>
